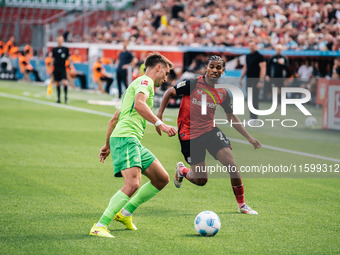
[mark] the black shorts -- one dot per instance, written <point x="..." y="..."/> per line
<point x="59" y="74"/>
<point x="194" y="150"/>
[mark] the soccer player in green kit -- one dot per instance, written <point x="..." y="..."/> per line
<point x="130" y="158"/>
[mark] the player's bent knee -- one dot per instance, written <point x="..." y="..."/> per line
<point x="133" y="187"/>
<point x="165" y="180"/>
<point x="162" y="182"/>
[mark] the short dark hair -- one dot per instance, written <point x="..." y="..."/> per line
<point x="154" y="58"/>
<point x="215" y="58"/>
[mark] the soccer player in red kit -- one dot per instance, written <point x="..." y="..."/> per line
<point x="197" y="133"/>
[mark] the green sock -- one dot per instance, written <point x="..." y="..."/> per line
<point x="145" y="193"/>
<point x="116" y="203"/>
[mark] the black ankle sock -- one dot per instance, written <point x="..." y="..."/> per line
<point x="58" y="93"/>
<point x="65" y="92"/>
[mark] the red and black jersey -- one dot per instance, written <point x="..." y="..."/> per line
<point x="191" y="123"/>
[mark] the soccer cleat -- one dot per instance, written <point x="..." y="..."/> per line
<point x="178" y="179"/>
<point x="246" y="209"/>
<point x="100" y="231"/>
<point x="126" y="220"/>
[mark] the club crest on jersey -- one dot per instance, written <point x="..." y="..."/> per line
<point x="144" y="82"/>
<point x="220" y="95"/>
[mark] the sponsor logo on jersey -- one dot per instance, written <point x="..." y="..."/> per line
<point x="199" y="103"/>
<point x="181" y="84"/>
<point x="144" y="82"/>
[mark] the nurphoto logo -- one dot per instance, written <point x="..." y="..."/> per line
<point x="238" y="105"/>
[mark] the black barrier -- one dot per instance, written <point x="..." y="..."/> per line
<point x="7" y="75"/>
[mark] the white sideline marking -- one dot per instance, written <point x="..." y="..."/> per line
<point x="79" y="109"/>
<point x="69" y="107"/>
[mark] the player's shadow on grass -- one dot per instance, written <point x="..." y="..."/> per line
<point x="120" y="229"/>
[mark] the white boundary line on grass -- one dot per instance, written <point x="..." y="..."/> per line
<point x="69" y="107"/>
<point x="79" y="109"/>
<point x="289" y="151"/>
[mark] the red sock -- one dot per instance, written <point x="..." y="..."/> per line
<point x="239" y="195"/>
<point x="184" y="170"/>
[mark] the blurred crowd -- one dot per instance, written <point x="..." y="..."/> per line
<point x="297" y="25"/>
<point x="293" y="24"/>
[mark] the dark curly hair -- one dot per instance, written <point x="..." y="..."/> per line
<point x="215" y="58"/>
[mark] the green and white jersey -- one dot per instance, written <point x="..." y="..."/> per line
<point x="130" y="123"/>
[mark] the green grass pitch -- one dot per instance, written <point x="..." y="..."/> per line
<point x="53" y="188"/>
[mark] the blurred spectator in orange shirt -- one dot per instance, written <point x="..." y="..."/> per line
<point x="29" y="51"/>
<point x="76" y="58"/>
<point x="72" y="74"/>
<point x="106" y="61"/>
<point x="9" y="44"/>
<point x="49" y="64"/>
<point x="26" y="68"/>
<point x="100" y="76"/>
<point x="14" y="52"/>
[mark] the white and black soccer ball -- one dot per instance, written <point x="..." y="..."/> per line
<point x="310" y="122"/>
<point x="207" y="223"/>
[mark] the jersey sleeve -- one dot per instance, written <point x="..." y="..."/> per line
<point x="261" y="58"/>
<point x="184" y="88"/>
<point x="227" y="103"/>
<point x="67" y="52"/>
<point x="144" y="87"/>
<point x="53" y="53"/>
<point x="130" y="57"/>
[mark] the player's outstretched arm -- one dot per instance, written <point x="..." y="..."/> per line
<point x="143" y="109"/>
<point x="171" y="92"/>
<point x="105" y="150"/>
<point x="235" y="120"/>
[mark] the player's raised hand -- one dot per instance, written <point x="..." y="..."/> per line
<point x="171" y="131"/>
<point x="104" y="152"/>
<point x="255" y="143"/>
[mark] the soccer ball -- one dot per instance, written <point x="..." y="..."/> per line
<point x="207" y="223"/>
<point x="310" y="122"/>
